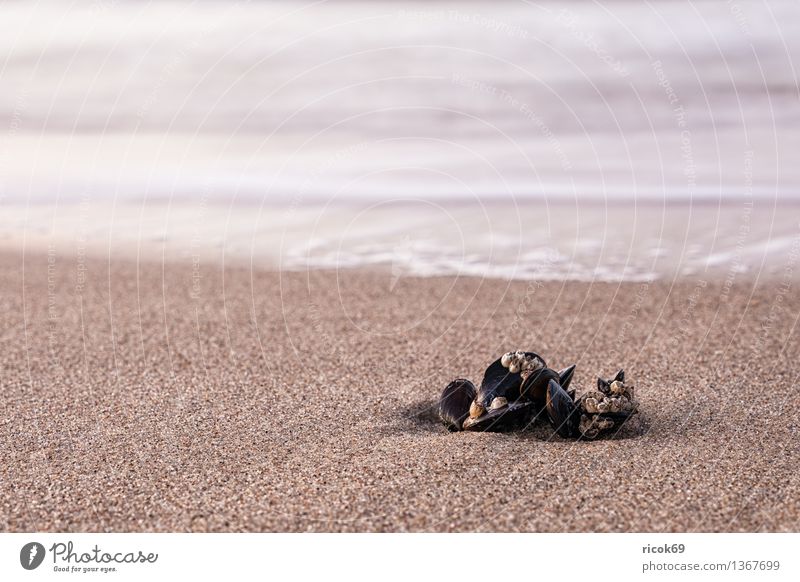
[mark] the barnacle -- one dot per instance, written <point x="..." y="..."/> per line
<point x="604" y="411"/>
<point x="520" y="362"/>
<point x="498" y="402"/>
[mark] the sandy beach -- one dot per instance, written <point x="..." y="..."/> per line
<point x="195" y="397"/>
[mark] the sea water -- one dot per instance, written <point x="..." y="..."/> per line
<point x="351" y="134"/>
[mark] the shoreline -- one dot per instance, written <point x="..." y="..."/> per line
<point x="557" y="241"/>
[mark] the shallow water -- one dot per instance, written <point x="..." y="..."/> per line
<point x="533" y="241"/>
<point x="399" y="99"/>
<point x="185" y="105"/>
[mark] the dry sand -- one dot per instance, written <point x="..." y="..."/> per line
<point x="152" y="398"/>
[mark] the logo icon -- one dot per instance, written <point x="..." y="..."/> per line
<point x="31" y="555"/>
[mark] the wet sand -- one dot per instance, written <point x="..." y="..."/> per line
<point x="194" y="398"/>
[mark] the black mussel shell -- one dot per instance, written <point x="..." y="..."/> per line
<point x="534" y="387"/>
<point x="514" y="415"/>
<point x="561" y="410"/>
<point x="499" y="381"/>
<point x="565" y="377"/>
<point x="605" y="385"/>
<point x="454" y="403"/>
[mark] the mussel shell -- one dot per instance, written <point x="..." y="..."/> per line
<point x="562" y="411"/>
<point x="534" y="387"/>
<point x="454" y="403"/>
<point x="515" y="415"/>
<point x="565" y="377"/>
<point x="605" y="385"/>
<point x="499" y="381"/>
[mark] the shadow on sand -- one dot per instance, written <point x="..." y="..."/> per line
<point x="422" y="416"/>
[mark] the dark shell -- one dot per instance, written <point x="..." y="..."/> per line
<point x="499" y="381"/>
<point x="541" y="390"/>
<point x="605" y="385"/>
<point x="454" y="403"/>
<point x="515" y="415"/>
<point x="534" y="387"/>
<point x="565" y="377"/>
<point x="561" y="410"/>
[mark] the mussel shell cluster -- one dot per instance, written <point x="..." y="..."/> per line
<point x="604" y="410"/>
<point x="519" y="387"/>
